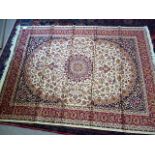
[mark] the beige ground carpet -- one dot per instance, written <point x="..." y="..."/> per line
<point x="81" y="76"/>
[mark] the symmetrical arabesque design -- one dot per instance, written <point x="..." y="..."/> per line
<point x="83" y="78"/>
<point x="72" y="68"/>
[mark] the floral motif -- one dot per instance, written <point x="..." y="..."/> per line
<point x="58" y="69"/>
<point x="114" y="73"/>
<point x="78" y="67"/>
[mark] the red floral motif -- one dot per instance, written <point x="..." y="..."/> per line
<point x="78" y="67"/>
<point x="105" y="69"/>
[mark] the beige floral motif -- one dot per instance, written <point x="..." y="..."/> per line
<point x="114" y="73"/>
<point x="44" y="70"/>
<point x="77" y="71"/>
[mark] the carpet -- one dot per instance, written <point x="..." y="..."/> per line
<point x="89" y="77"/>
